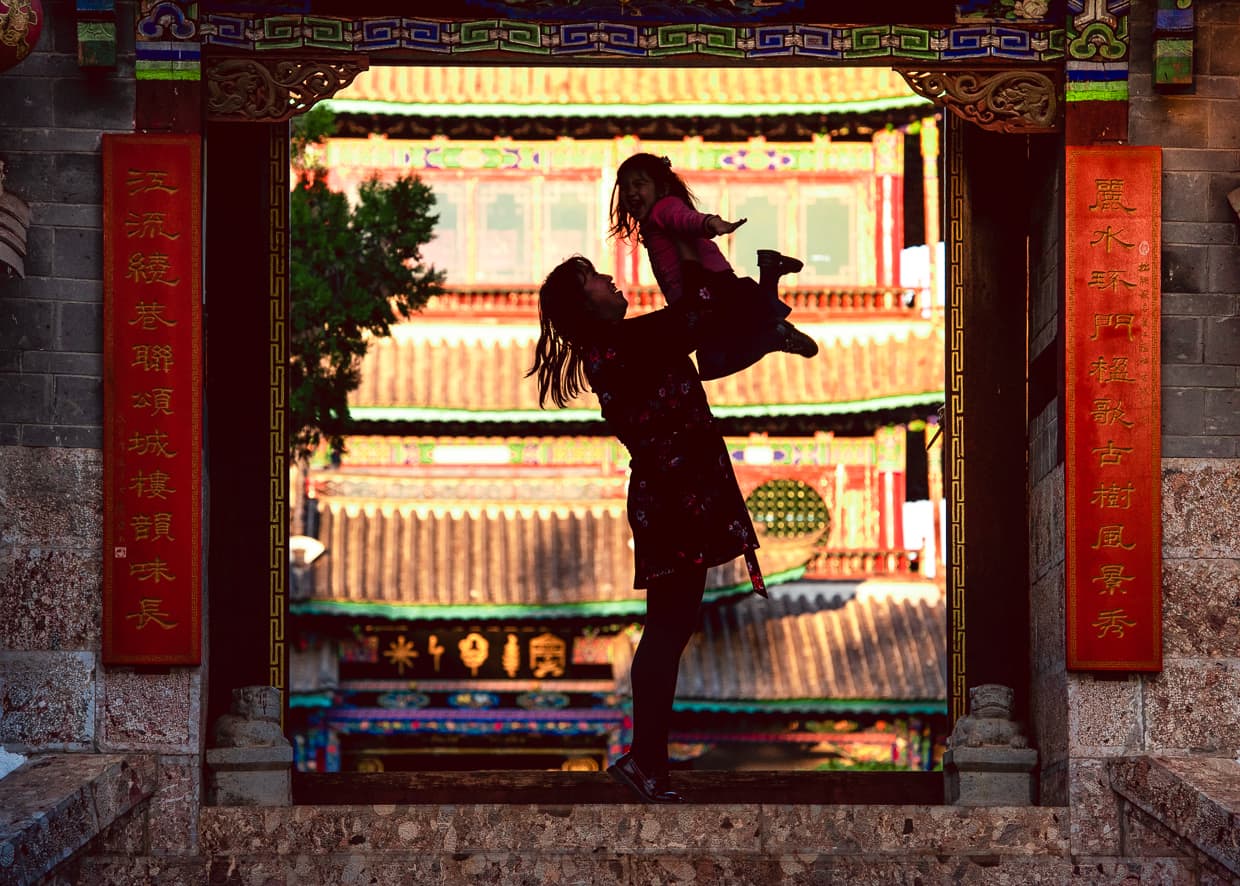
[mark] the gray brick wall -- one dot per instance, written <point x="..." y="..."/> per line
<point x="1200" y="133"/>
<point x="52" y="117"/>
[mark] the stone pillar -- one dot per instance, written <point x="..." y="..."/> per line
<point x="988" y="761"/>
<point x="251" y="761"/>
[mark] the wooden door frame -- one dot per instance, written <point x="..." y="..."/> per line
<point x="265" y="68"/>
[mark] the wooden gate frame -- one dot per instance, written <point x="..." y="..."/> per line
<point x="1012" y="66"/>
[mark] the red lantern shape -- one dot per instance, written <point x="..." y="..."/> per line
<point x="21" y="21"/>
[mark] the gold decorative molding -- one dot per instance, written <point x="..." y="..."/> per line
<point x="1020" y="101"/>
<point x="277" y="384"/>
<point x="953" y="443"/>
<point x="271" y="90"/>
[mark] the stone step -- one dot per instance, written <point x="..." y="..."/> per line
<point x="517" y="786"/>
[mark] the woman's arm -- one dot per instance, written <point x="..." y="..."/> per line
<point x="683" y="325"/>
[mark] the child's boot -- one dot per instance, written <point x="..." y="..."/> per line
<point x="794" y="341"/>
<point x="772" y="265"/>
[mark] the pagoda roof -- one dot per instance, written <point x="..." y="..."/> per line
<point x="457" y="369"/>
<point x="880" y="650"/>
<point x="533" y="554"/>
<point x="790" y="653"/>
<point x="565" y="91"/>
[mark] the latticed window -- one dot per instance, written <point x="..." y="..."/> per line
<point x="789" y="509"/>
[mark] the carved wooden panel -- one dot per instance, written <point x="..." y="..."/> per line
<point x="1016" y="101"/>
<point x="272" y="90"/>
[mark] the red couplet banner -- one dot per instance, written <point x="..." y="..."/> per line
<point x="152" y="357"/>
<point x="1113" y="418"/>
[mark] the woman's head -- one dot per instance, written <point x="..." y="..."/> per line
<point x="641" y="181"/>
<point x="574" y="299"/>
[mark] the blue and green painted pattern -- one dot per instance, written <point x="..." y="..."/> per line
<point x="1174" y="33"/>
<point x="618" y="40"/>
<point x="1098" y="46"/>
<point x="167" y="41"/>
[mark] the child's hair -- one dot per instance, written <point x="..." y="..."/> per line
<point x="659" y="171"/>
<point x="564" y="317"/>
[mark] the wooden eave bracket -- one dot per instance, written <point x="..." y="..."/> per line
<point x="271" y="90"/>
<point x="1020" y="100"/>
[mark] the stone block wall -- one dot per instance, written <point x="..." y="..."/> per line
<point x="57" y="695"/>
<point x="1081" y="721"/>
<point x="1193" y="706"/>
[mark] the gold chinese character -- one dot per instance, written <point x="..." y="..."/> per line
<point x="1112" y="621"/>
<point x="1107" y="237"/>
<point x="147" y="314"/>
<point x="1109" y="412"/>
<point x="152" y="358"/>
<point x="153" y="268"/>
<point x="1111" y="535"/>
<point x="152" y="527"/>
<point x="155" y="443"/>
<point x="474" y="650"/>
<point x="142" y="180"/>
<point x="1111" y="454"/>
<point x="155" y="571"/>
<point x="1111" y="577"/>
<point x="435" y="648"/>
<point x="1118" y="321"/>
<point x="1108" y="280"/>
<point x="1109" y="194"/>
<point x="1107" y="370"/>
<point x="401" y="653"/>
<point x="1113" y="496"/>
<point x="547" y="655"/>
<point x="152" y="485"/>
<point x="512" y="656"/>
<point x="149" y="611"/>
<point x="158" y="400"/>
<point x="148" y="224"/>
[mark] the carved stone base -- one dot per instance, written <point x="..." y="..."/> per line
<point x="990" y="776"/>
<point x="250" y="776"/>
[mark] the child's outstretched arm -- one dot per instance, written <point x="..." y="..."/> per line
<point x="717" y="227"/>
<point x="677" y="218"/>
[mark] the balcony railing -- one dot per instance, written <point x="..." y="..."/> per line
<point x="521" y="302"/>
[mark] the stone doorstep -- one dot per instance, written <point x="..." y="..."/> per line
<point x="606" y="868"/>
<point x="54" y="804"/>
<point x="740" y="830"/>
<point x="1197" y="798"/>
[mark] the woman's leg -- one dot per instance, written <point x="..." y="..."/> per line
<point x="672" y="605"/>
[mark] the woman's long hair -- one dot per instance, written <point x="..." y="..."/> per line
<point x="659" y="171"/>
<point x="564" y="320"/>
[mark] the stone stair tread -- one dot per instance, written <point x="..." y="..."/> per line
<point x="554" y="787"/>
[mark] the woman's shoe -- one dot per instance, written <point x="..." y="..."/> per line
<point x="783" y="264"/>
<point x="795" y="341"/>
<point x="650" y="788"/>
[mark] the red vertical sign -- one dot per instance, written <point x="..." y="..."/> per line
<point x="1113" y="416"/>
<point x="152" y="248"/>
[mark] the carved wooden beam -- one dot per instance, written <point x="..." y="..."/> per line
<point x="1020" y="101"/>
<point x="272" y="90"/>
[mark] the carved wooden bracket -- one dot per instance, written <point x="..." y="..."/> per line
<point x="1020" y="101"/>
<point x="272" y="90"/>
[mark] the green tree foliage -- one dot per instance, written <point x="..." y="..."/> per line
<point x="355" y="270"/>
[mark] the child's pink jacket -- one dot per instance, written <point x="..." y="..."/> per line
<point x="669" y="218"/>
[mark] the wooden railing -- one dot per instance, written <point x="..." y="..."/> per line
<point x="521" y="302"/>
<point x="857" y="564"/>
